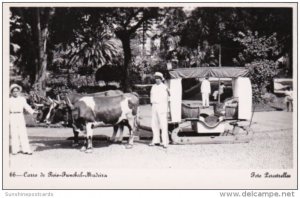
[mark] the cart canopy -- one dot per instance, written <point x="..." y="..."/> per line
<point x="202" y="72"/>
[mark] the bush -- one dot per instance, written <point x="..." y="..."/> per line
<point x="261" y="74"/>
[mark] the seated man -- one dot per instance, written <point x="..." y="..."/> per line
<point x="230" y="102"/>
<point x="219" y="92"/>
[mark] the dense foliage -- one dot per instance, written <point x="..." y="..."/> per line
<point x="262" y="73"/>
<point x="137" y="41"/>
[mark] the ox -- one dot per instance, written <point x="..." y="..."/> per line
<point x="110" y="107"/>
<point x="120" y="111"/>
<point x="57" y="108"/>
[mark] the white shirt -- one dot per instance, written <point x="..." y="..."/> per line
<point x="18" y="104"/>
<point x="221" y="89"/>
<point x="159" y="94"/>
<point x="205" y="86"/>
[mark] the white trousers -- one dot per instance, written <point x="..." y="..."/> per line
<point x="18" y="132"/>
<point x="159" y="122"/>
<point x="205" y="99"/>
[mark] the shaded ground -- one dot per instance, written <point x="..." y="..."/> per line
<point x="272" y="147"/>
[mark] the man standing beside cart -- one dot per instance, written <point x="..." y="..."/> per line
<point x="205" y="91"/>
<point x="159" y="99"/>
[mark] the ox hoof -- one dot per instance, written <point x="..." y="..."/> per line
<point x="83" y="148"/>
<point x="47" y="123"/>
<point x="129" y="146"/>
<point x="89" y="150"/>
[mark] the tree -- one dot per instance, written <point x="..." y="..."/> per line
<point x="125" y="22"/>
<point x="257" y="47"/>
<point x="90" y="46"/>
<point x="15" y="28"/>
<point x="171" y="38"/>
<point x="259" y="53"/>
<point x="44" y="17"/>
<point x="261" y="74"/>
<point x="222" y="25"/>
<point x="32" y="37"/>
<point x="122" y="22"/>
<point x="23" y="53"/>
<point x="88" y="36"/>
<point x="93" y="46"/>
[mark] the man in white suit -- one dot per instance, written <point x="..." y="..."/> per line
<point x="159" y="99"/>
<point x="205" y="91"/>
<point x="18" y="131"/>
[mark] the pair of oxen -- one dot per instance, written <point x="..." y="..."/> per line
<point x="85" y="111"/>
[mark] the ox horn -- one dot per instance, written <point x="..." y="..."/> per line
<point x="50" y="99"/>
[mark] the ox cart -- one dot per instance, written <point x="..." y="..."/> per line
<point x="229" y="123"/>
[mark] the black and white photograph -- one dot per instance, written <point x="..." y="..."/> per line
<point x="150" y="96"/>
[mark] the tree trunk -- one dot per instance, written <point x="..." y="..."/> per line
<point x="42" y="34"/>
<point x="43" y="64"/>
<point x="39" y="41"/>
<point x="127" y="61"/>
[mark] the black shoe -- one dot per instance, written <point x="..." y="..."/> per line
<point x="27" y="153"/>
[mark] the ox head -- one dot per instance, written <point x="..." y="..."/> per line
<point x="58" y="111"/>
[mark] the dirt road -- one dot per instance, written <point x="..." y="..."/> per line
<point x="272" y="147"/>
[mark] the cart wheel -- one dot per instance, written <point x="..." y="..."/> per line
<point x="174" y="135"/>
<point x="171" y="127"/>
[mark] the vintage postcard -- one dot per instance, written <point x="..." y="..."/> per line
<point x="150" y="96"/>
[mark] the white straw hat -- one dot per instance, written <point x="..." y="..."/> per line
<point x="160" y="75"/>
<point x="15" y="86"/>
